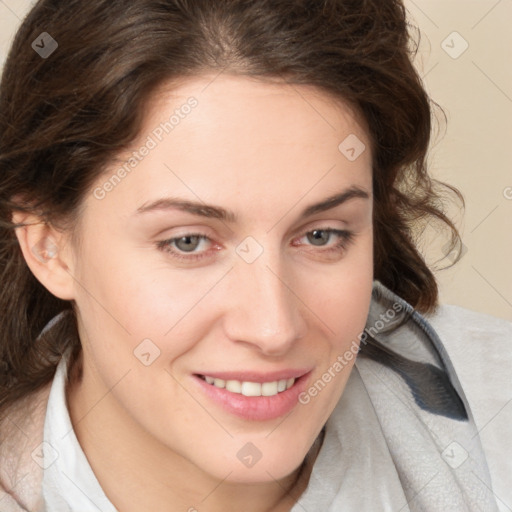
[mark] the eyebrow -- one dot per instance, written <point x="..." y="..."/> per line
<point x="217" y="212"/>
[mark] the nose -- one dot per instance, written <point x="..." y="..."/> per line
<point x="263" y="309"/>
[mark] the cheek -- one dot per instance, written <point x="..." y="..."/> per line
<point x="135" y="313"/>
<point x="341" y="295"/>
<point x="342" y="301"/>
<point x="126" y="286"/>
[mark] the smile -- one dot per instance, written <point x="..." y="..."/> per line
<point x="253" y="395"/>
<point x="248" y="388"/>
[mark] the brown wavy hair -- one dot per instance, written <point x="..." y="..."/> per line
<point x="63" y="119"/>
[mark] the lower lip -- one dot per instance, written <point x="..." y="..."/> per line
<point x="255" y="408"/>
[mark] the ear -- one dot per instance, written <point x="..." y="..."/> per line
<point x="47" y="254"/>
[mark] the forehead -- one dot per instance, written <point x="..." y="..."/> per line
<point x="233" y="139"/>
<point x="237" y="106"/>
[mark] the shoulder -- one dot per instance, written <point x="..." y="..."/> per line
<point x="479" y="345"/>
<point x="451" y="318"/>
<point x="21" y="438"/>
<point x="480" y="348"/>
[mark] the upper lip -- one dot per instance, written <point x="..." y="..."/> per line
<point x="254" y="376"/>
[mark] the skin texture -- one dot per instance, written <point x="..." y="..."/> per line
<point x="265" y="151"/>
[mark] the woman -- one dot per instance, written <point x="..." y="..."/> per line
<point x="208" y="211"/>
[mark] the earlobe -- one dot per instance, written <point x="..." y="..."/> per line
<point x="46" y="254"/>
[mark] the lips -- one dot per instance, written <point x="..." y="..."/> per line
<point x="254" y="376"/>
<point x="252" y="395"/>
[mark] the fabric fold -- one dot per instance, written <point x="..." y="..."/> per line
<point x="422" y="410"/>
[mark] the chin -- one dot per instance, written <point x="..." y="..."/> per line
<point x="262" y="473"/>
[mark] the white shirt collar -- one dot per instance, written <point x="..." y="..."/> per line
<point x="69" y="484"/>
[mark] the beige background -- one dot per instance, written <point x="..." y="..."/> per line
<point x="474" y="87"/>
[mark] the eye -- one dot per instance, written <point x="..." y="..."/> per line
<point x="188" y="243"/>
<point x="319" y="236"/>
<point x="184" y="247"/>
<point x="322" y="236"/>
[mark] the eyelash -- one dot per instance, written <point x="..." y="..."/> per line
<point x="346" y="238"/>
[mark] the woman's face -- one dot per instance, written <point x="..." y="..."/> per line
<point x="235" y="245"/>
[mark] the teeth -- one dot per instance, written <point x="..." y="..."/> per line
<point x="219" y="383"/>
<point x="252" y="388"/>
<point x="234" y="386"/>
<point x="269" y="389"/>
